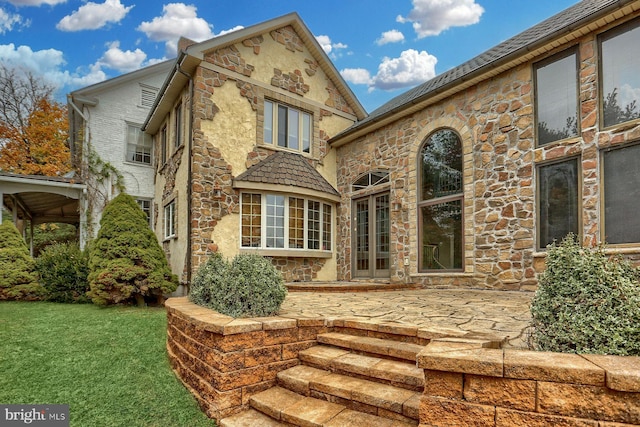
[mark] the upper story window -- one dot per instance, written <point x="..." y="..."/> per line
<point x="287" y="127"/>
<point x="441" y="202"/>
<point x="557" y="97"/>
<point x="139" y="145"/>
<point x="620" y="79"/>
<point x="621" y="182"/>
<point x="178" y="125"/>
<point x="163" y="144"/>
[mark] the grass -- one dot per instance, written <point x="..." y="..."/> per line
<point x="108" y="364"/>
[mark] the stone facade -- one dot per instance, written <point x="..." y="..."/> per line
<point x="496" y="124"/>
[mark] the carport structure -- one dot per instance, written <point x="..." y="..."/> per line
<point x="43" y="199"/>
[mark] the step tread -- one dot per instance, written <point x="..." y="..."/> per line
<point x="380" y="346"/>
<point x="249" y="418"/>
<point x="312" y="381"/>
<point x="401" y="372"/>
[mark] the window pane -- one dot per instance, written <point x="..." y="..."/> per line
<point x="275" y="221"/>
<point x="306" y="133"/>
<point x="326" y="227"/>
<point x="145" y="205"/>
<point x="362" y="235"/>
<point x="296" y="223"/>
<point x="282" y="126"/>
<point x="294" y="123"/>
<point x="558" y="203"/>
<point x="170" y="219"/>
<point x="251" y="220"/>
<point x="441" y="236"/>
<point x="441" y="165"/>
<point x="620" y="77"/>
<point x="557" y="99"/>
<point x="313" y="225"/>
<point x="268" y="122"/>
<point x="382" y="232"/>
<point x="622" y="195"/>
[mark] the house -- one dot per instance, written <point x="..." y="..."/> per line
<point x="242" y="161"/>
<point x="464" y="180"/>
<point x="109" y="147"/>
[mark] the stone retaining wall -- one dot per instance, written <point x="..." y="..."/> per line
<point x="224" y="361"/>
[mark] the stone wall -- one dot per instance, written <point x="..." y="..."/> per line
<point x="495" y="120"/>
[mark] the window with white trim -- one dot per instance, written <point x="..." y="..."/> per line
<point x="178" y="125"/>
<point x="278" y="221"/>
<point x="170" y="220"/>
<point x="139" y="145"/>
<point x="287" y="127"/>
<point x="145" y="205"/>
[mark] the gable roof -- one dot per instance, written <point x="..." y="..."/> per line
<point x="189" y="58"/>
<point x="286" y="169"/>
<point x="560" y="29"/>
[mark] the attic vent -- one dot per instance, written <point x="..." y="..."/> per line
<point x="147" y="97"/>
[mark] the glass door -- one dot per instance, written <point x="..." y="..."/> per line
<point x="371" y="237"/>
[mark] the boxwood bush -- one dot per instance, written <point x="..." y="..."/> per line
<point x="248" y="286"/>
<point x="63" y="270"/>
<point x="18" y="276"/>
<point x="586" y="302"/>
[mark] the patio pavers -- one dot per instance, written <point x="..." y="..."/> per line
<point x="448" y="312"/>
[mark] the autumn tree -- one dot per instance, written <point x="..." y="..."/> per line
<point x="33" y="127"/>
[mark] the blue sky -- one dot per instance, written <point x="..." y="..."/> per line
<point x="381" y="47"/>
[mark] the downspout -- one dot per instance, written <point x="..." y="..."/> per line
<point x="189" y="173"/>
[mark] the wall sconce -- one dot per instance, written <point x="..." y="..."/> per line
<point x="217" y="192"/>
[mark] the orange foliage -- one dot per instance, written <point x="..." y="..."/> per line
<point x="39" y="146"/>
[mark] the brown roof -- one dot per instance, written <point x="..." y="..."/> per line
<point x="285" y="168"/>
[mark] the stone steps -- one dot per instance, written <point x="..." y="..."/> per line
<point x="372" y="346"/>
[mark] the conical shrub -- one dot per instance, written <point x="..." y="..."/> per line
<point x="18" y="277"/>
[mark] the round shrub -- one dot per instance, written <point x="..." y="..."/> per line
<point x="18" y="277"/>
<point x="63" y="271"/>
<point x="248" y="286"/>
<point x="126" y="262"/>
<point x="586" y="302"/>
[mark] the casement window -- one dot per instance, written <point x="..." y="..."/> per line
<point x="620" y="81"/>
<point x="287" y="127"/>
<point x="556" y="94"/>
<point x="139" y="145"/>
<point x="558" y="201"/>
<point x="441" y="202"/>
<point x="145" y="205"/>
<point x="621" y="182"/>
<point x="170" y="216"/>
<point x="163" y="144"/>
<point x="278" y="221"/>
<point x="178" y="125"/>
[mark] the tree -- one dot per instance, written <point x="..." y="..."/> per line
<point x="33" y="127"/>
<point x="18" y="277"/>
<point x="126" y="263"/>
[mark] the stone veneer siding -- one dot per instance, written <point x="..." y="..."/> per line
<point x="495" y="120"/>
<point x="224" y="361"/>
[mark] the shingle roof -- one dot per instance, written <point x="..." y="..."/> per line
<point x="567" y="19"/>
<point x="286" y="168"/>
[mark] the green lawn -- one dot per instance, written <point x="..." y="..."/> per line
<point x="109" y="364"/>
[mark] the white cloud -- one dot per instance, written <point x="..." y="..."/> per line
<point x="431" y="17"/>
<point x="35" y="2"/>
<point x="9" y="20"/>
<point x="121" y="60"/>
<point x="357" y="76"/>
<point x="49" y="64"/>
<point x="92" y="16"/>
<point x="410" y="69"/>
<point x="328" y="46"/>
<point x="391" y="36"/>
<point x="628" y="94"/>
<point x="177" y="20"/>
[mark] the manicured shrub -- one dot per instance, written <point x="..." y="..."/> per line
<point x="126" y="262"/>
<point x="586" y="302"/>
<point x="63" y="270"/>
<point x="18" y="277"/>
<point x="248" y="286"/>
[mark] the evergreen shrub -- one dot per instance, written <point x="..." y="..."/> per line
<point x="63" y="270"/>
<point x="126" y="262"/>
<point x="18" y="276"/>
<point x="248" y="286"/>
<point x="586" y="302"/>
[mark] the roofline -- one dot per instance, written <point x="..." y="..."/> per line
<point x="488" y="70"/>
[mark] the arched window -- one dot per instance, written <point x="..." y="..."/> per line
<point x="370" y="179"/>
<point x="440" y="203"/>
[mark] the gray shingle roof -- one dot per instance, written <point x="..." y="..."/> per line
<point x="286" y="168"/>
<point x="565" y="20"/>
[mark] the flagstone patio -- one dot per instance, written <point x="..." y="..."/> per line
<point x="503" y="314"/>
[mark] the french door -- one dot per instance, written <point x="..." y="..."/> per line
<point x="371" y="236"/>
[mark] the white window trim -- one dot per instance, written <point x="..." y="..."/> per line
<point x="128" y="143"/>
<point x="170" y="220"/>
<point x="146" y="199"/>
